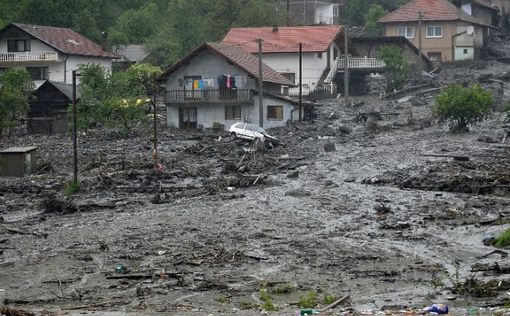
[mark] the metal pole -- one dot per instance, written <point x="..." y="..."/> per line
<point x="420" y="66"/>
<point x="300" y="82"/>
<point x="75" y="132"/>
<point x="346" y="67"/>
<point x="261" y="87"/>
<point x="155" y="127"/>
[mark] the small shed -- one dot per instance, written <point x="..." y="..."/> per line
<point x="17" y="161"/>
<point x="48" y="108"/>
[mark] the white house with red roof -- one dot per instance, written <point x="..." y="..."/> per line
<point x="49" y="53"/>
<point x="321" y="46"/>
<point x="216" y="85"/>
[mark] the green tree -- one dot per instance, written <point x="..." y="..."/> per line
<point x="461" y="107"/>
<point x="372" y="27"/>
<point x="15" y="87"/>
<point x="397" y="67"/>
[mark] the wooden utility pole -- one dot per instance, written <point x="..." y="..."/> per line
<point x="300" y="82"/>
<point x="75" y="132"/>
<point x="155" y="123"/>
<point x="346" y="67"/>
<point x="288" y="13"/>
<point x="420" y="65"/>
<point x="261" y="87"/>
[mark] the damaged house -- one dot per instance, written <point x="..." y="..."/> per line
<point x="216" y="85"/>
<point x="448" y="33"/>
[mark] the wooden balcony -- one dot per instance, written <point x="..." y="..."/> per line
<point x="208" y="96"/>
<point x="361" y="63"/>
<point x="28" y="56"/>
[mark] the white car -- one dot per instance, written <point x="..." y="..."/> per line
<point x="250" y="132"/>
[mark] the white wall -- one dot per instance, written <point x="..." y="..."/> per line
<point x="313" y="67"/>
<point x="464" y="53"/>
<point x="324" y="13"/>
<point x="36" y="46"/>
<point x="74" y="62"/>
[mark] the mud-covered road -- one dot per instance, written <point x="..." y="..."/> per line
<point x="375" y="219"/>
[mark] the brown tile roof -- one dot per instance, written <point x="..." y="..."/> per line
<point x="433" y="10"/>
<point x="64" y="40"/>
<point x="286" y="39"/>
<point x="237" y="56"/>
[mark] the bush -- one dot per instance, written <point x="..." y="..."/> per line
<point x="310" y="300"/>
<point x="503" y="240"/>
<point x="267" y="301"/>
<point x="397" y="66"/>
<point x="71" y="188"/>
<point x="461" y="107"/>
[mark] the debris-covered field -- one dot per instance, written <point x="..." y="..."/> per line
<point x="376" y="201"/>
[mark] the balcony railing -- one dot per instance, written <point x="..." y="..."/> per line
<point x="360" y="63"/>
<point x="28" y="56"/>
<point x="204" y="96"/>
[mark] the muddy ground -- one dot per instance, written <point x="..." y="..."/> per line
<point x="376" y="218"/>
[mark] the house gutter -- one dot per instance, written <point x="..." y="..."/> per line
<point x="65" y="68"/>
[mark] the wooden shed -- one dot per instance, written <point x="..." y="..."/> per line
<point x="48" y="108"/>
<point x="17" y="161"/>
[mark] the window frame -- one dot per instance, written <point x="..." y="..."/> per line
<point x="27" y="45"/>
<point x="434" y="27"/>
<point x="406" y="29"/>
<point x="289" y="75"/>
<point x="231" y="109"/>
<point x="336" y="11"/>
<point x="274" y="108"/>
<point x="44" y="71"/>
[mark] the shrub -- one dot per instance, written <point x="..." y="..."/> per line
<point x="309" y="300"/>
<point x="71" y="188"/>
<point x="461" y="107"/>
<point x="503" y="240"/>
<point x="328" y="299"/>
<point x="397" y="66"/>
<point x="267" y="301"/>
<point x="15" y="87"/>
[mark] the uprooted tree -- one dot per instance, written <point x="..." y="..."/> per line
<point x="397" y="67"/>
<point x="462" y="106"/>
<point x="15" y="87"/>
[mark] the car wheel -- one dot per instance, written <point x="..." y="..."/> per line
<point x="233" y="136"/>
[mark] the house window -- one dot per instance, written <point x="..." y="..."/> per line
<point x="275" y="112"/>
<point x="291" y="76"/>
<point x="14" y="46"/>
<point x="434" y="31"/>
<point x="285" y="91"/>
<point x="434" y="56"/>
<point x="232" y="112"/>
<point x="38" y="73"/>
<point x="319" y="55"/>
<point x="406" y="31"/>
<point x="336" y="11"/>
<point x="465" y="51"/>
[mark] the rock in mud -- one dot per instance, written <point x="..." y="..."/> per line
<point x="298" y="193"/>
<point x="345" y="129"/>
<point x="329" y="147"/>
<point x="293" y="174"/>
<point x="54" y="204"/>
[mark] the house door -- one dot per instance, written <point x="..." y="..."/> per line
<point x="188" y="117"/>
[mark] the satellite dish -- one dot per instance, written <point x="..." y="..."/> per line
<point x="470" y="30"/>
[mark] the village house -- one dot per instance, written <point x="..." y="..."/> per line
<point x="312" y="12"/>
<point x="47" y="52"/>
<point x="447" y="33"/>
<point x="215" y="86"/>
<point x="321" y="47"/>
<point x="484" y="10"/>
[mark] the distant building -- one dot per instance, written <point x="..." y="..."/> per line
<point x="47" y="52"/>
<point x="448" y="32"/>
<point x="312" y="12"/>
<point x="216" y="85"/>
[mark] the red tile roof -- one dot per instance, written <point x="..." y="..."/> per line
<point x="64" y="40"/>
<point x="286" y="39"/>
<point x="433" y="10"/>
<point x="237" y="56"/>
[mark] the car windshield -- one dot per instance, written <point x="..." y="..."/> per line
<point x="258" y="129"/>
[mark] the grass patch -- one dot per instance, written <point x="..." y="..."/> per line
<point x="283" y="289"/>
<point x="222" y="299"/>
<point x="71" y="188"/>
<point x="267" y="301"/>
<point x="309" y="300"/>
<point x="328" y="299"/>
<point x="245" y="305"/>
<point x="503" y="240"/>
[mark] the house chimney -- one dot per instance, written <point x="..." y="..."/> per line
<point x="275" y="28"/>
<point x="104" y="40"/>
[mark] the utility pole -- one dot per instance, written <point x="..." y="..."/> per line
<point x="346" y="67"/>
<point x="154" y="104"/>
<point x="75" y="132"/>
<point x="420" y="65"/>
<point x="300" y="82"/>
<point x="261" y="87"/>
<point x="288" y="12"/>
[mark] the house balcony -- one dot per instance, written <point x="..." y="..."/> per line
<point x="28" y="57"/>
<point x="361" y="63"/>
<point x="208" y="96"/>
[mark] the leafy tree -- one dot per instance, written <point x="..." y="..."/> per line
<point x="14" y="92"/>
<point x="140" y="79"/>
<point x="375" y="12"/>
<point x="397" y="66"/>
<point x="356" y="11"/>
<point x="462" y="106"/>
